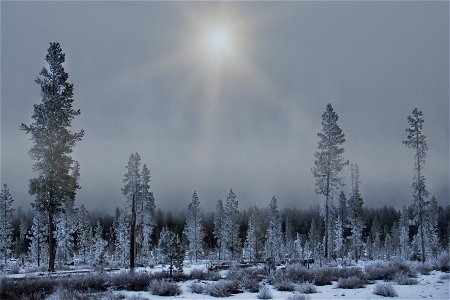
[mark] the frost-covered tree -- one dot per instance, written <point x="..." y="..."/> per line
<point x="289" y="247"/>
<point x="231" y="227"/>
<point x="53" y="143"/>
<point x="395" y="235"/>
<point x="315" y="238"/>
<point x="355" y="214"/>
<point x="298" y="254"/>
<point x="194" y="228"/>
<point x="219" y="228"/>
<point x="84" y="233"/>
<point x="6" y="228"/>
<point x="38" y="236"/>
<point x="431" y="226"/>
<point x="416" y="140"/>
<point x="147" y="214"/>
<point x="122" y="236"/>
<point x="339" y="238"/>
<point x="375" y="240"/>
<point x="99" y="248"/>
<point x="404" y="234"/>
<point x="274" y="236"/>
<point x="133" y="192"/>
<point x="250" y="241"/>
<point x="328" y="165"/>
<point x="171" y="250"/>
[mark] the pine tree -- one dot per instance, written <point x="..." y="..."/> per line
<point x="84" y="233"/>
<point x="231" y="226"/>
<point x="38" y="237"/>
<point x="404" y="234"/>
<point x="250" y="245"/>
<point x="99" y="247"/>
<point x="171" y="249"/>
<point x="133" y="192"/>
<point x="219" y="228"/>
<point x="315" y="238"/>
<point x="298" y="250"/>
<point x="53" y="143"/>
<point x="121" y="232"/>
<point x="328" y="165"/>
<point x="416" y="140"/>
<point x="375" y="232"/>
<point x="289" y="247"/>
<point x="339" y="238"/>
<point x="194" y="228"/>
<point x="274" y="242"/>
<point x="395" y="235"/>
<point x="431" y="225"/>
<point x="6" y="228"/>
<point x="355" y="214"/>
<point x="148" y="215"/>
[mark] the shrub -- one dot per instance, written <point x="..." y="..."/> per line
<point x="285" y="286"/>
<point x="402" y="279"/>
<point x="251" y="284"/>
<point x="131" y="281"/>
<point x="212" y="275"/>
<point x="223" y="288"/>
<point x="198" y="288"/>
<point x="385" y="289"/>
<point x="86" y="283"/>
<point x="381" y="271"/>
<point x="264" y="293"/>
<point x="164" y="288"/>
<point x="299" y="297"/>
<point x="307" y="288"/>
<point x="443" y="262"/>
<point x="64" y="293"/>
<point x="14" y="269"/>
<point x="346" y="272"/>
<point x="197" y="274"/>
<point x="444" y="276"/>
<point x="424" y="268"/>
<point x="352" y="282"/>
<point x="298" y="273"/>
<point x="323" y="276"/>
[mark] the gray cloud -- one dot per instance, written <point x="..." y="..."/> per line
<point x="374" y="61"/>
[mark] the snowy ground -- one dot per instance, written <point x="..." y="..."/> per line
<point x="430" y="286"/>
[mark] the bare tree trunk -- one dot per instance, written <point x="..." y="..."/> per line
<point x="51" y="244"/>
<point x="133" y="233"/>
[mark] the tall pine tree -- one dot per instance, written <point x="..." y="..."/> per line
<point x="194" y="228"/>
<point x="6" y="228"/>
<point x="416" y="140"/>
<point x="53" y="143"/>
<point x="328" y="165"/>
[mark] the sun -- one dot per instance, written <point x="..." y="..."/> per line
<point x="218" y="42"/>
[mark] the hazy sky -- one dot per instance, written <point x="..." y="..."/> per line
<point x="248" y="120"/>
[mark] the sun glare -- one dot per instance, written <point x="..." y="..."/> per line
<point x="218" y="42"/>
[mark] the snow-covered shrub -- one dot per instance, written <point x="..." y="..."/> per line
<point x="307" y="288"/>
<point x="223" y="288"/>
<point x="323" y="276"/>
<point x="385" y="289"/>
<point x="424" y="268"/>
<point x="444" y="276"/>
<point x="264" y="293"/>
<point x="131" y="281"/>
<point x="346" y="272"/>
<point x="383" y="271"/>
<point x="298" y="273"/>
<point x="87" y="283"/>
<point x="299" y="297"/>
<point x="64" y="293"/>
<point x="198" y="274"/>
<point x="198" y="288"/>
<point x="164" y="288"/>
<point x="443" y="262"/>
<point x="14" y="268"/>
<point x="402" y="279"/>
<point x="251" y="284"/>
<point x="204" y="275"/>
<point x="285" y="286"/>
<point x="352" y="282"/>
<point x="32" y="288"/>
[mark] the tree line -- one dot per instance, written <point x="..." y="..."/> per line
<point x="342" y="228"/>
